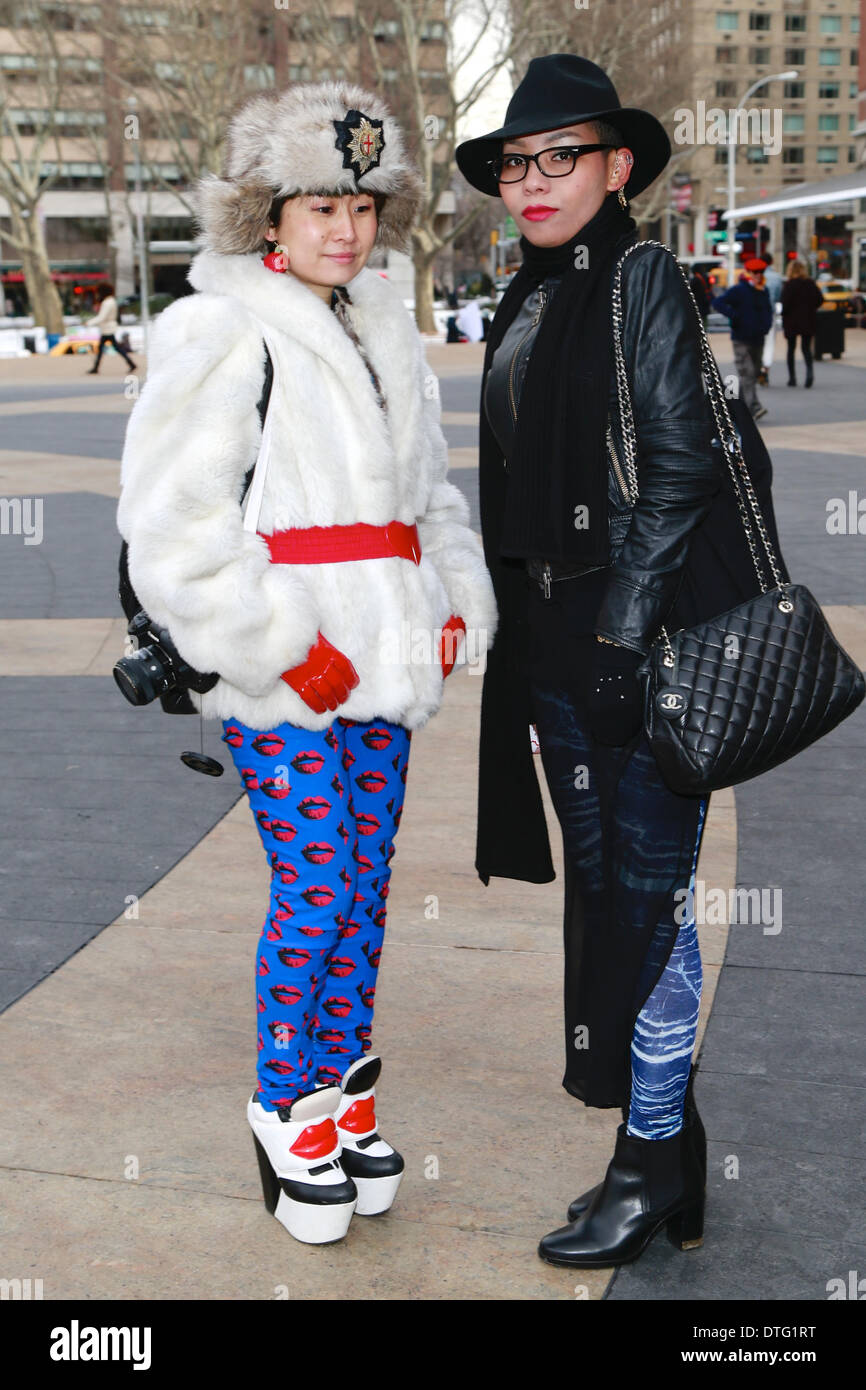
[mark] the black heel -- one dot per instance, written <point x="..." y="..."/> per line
<point x="270" y="1181"/>
<point x="686" y="1227"/>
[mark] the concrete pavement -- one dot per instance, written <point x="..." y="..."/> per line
<point x="126" y="1165"/>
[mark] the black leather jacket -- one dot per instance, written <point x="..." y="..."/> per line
<point x="680" y="460"/>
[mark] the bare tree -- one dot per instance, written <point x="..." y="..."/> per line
<point x="187" y="76"/>
<point x="27" y="135"/>
<point x="408" y="50"/>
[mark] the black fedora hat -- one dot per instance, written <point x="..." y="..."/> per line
<point x="562" y="89"/>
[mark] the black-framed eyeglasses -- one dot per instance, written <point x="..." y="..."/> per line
<point x="554" y="162"/>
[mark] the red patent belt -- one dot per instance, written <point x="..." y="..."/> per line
<point x="310" y="545"/>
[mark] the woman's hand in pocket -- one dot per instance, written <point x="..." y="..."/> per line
<point x="325" y="679"/>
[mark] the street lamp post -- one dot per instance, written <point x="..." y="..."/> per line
<point x="732" y="114"/>
<point x="139" y="231"/>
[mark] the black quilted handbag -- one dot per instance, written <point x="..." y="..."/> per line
<point x="740" y="693"/>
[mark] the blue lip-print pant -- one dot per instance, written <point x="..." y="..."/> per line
<point x="327" y="806"/>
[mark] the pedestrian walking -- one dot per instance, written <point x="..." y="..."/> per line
<point x="107" y="321"/>
<point x="331" y="610"/>
<point x="584" y="577"/>
<point x="773" y="282"/>
<point x="747" y="305"/>
<point x="801" y="298"/>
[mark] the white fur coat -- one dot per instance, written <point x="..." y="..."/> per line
<point x="337" y="459"/>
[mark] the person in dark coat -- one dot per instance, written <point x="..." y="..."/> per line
<point x="747" y="305"/>
<point x="800" y="300"/>
<point x="586" y="568"/>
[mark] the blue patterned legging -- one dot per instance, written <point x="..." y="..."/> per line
<point x="327" y="805"/>
<point x="632" y="963"/>
<point x="665" y="1030"/>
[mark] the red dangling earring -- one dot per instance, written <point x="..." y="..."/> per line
<point x="278" y="259"/>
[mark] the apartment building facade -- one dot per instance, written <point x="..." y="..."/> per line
<point x="135" y="106"/>
<point x="802" y="130"/>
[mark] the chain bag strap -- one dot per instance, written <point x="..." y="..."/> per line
<point x="728" y="436"/>
<point x="744" y="691"/>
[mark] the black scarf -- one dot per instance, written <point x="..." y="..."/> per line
<point x="559" y="461"/>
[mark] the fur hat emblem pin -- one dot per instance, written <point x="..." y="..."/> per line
<point x="360" y="138"/>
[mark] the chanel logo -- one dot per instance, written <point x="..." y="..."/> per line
<point x="671" y="703"/>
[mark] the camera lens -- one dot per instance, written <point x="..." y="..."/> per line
<point x="141" y="677"/>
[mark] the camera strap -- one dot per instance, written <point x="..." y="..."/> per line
<point x="254" y="482"/>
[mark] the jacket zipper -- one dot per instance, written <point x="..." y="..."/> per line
<point x="614" y="458"/>
<point x="542" y="297"/>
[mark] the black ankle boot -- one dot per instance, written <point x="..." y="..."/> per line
<point x="649" y="1183"/>
<point x="699" y="1141"/>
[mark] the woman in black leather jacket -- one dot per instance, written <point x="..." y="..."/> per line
<point x="584" y="580"/>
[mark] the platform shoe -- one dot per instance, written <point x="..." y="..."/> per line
<point x="299" y="1154"/>
<point x="373" y="1165"/>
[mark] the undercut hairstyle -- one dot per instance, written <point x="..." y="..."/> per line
<point x="606" y="134"/>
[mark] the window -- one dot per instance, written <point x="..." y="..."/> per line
<point x="795" y="57"/>
<point x="795" y="90"/>
<point x="795" y="24"/>
<point x="852" y="91"/>
<point x="726" y="88"/>
<point x="759" y="21"/>
<point x="855" y="24"/>
<point x="830" y="24"/>
<point x="828" y="91"/>
<point x="169" y="172"/>
<point x="757" y="154"/>
<point x="74" y="175"/>
<point x="852" y="120"/>
<point x="828" y="154"/>
<point x="433" y="31"/>
<point x="793" y="155"/>
<point x="17" y="62"/>
<point x="726" y="20"/>
<point x="792" y="124"/>
<point x="261" y="75"/>
<point x="145" y="19"/>
<point x="727" y="55"/>
<point x="830" y="57"/>
<point x="852" y="155"/>
<point x="828" y="122"/>
<point x="761" y="56"/>
<point x="854" y="57"/>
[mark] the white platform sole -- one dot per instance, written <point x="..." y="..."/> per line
<point x="314" y="1225"/>
<point x="375" y="1195"/>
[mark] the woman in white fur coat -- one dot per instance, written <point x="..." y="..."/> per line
<point x="331" y="608"/>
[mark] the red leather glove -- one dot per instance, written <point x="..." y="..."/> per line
<point x="325" y="678"/>
<point x="448" y="645"/>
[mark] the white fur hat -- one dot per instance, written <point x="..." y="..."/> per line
<point x="323" y="137"/>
